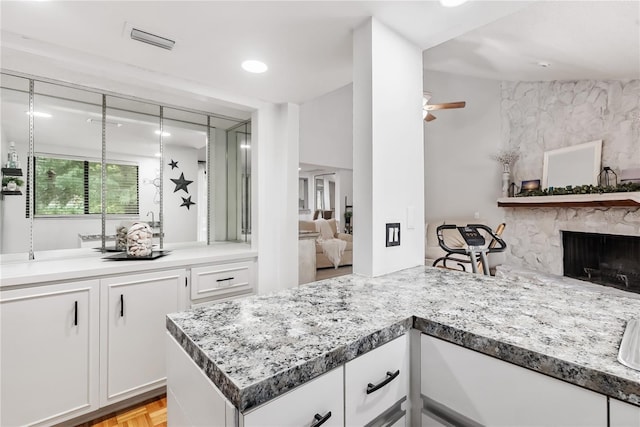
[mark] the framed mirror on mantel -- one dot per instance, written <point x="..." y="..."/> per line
<point x="167" y="166"/>
<point x="576" y="165"/>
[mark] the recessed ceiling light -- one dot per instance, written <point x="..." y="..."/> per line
<point x="245" y="146"/>
<point x="452" y="3"/>
<point x="163" y="133"/>
<point x="254" y="66"/>
<point x="544" y="64"/>
<point x="39" y="114"/>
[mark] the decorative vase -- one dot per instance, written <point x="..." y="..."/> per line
<point x="506" y="177"/>
<point x="139" y="240"/>
<point x="12" y="186"/>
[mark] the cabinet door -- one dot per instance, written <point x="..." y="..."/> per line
<point x="308" y="405"/>
<point x="386" y="369"/>
<point x="49" y="353"/>
<point x="468" y="387"/>
<point x="623" y="414"/>
<point x="133" y="324"/>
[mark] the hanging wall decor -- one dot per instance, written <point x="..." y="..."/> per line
<point x="181" y="183"/>
<point x="173" y="164"/>
<point x="186" y="202"/>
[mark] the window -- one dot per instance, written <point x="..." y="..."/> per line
<point x="66" y="186"/>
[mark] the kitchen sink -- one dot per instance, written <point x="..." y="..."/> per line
<point x="629" y="354"/>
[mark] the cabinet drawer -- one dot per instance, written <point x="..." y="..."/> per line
<point x="387" y="367"/>
<point x="303" y="406"/>
<point x="221" y="280"/>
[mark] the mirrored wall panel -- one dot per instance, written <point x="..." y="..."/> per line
<point x="14" y="113"/>
<point x="133" y="167"/>
<point x="185" y="176"/>
<point x="67" y="177"/>
<point x="239" y="183"/>
<point x="186" y="173"/>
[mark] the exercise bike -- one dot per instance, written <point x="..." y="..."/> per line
<point x="476" y="250"/>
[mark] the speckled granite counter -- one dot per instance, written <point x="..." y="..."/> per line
<point x="256" y="348"/>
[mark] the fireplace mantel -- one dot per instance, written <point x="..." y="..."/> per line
<point x="630" y="199"/>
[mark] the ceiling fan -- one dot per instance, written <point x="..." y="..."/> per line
<point x="427" y="108"/>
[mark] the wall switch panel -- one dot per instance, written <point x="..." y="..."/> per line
<point x="393" y="234"/>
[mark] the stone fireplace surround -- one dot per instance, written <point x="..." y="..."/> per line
<point x="535" y="239"/>
<point x="541" y="116"/>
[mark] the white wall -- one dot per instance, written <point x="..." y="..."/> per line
<point x="275" y="201"/>
<point x="388" y="149"/>
<point x="461" y="178"/>
<point x="326" y="129"/>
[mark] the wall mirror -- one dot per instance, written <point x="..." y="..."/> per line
<point x="186" y="173"/>
<point x="575" y="165"/>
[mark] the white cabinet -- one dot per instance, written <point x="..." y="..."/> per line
<point x="461" y="385"/>
<point x="192" y="399"/>
<point x="49" y="353"/>
<point x="221" y="281"/>
<point x="376" y="382"/>
<point x="623" y="414"/>
<point x="317" y="402"/>
<point x="132" y="330"/>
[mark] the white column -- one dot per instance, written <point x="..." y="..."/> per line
<point x="275" y="183"/>
<point x="388" y="165"/>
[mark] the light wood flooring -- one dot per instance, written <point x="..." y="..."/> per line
<point x="150" y="414"/>
<point x="326" y="273"/>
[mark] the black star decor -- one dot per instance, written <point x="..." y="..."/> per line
<point x="187" y="202"/>
<point x="173" y="164"/>
<point x="181" y="183"/>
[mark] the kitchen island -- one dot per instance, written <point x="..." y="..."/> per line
<point x="258" y="348"/>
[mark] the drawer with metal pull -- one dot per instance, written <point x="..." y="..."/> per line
<point x="218" y="281"/>
<point x="376" y="384"/>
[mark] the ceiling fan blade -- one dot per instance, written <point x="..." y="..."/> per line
<point x="430" y="117"/>
<point x="445" y="106"/>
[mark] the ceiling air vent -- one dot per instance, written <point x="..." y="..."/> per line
<point x="152" y="39"/>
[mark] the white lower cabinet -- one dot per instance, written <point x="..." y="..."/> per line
<point x="132" y="330"/>
<point x="319" y="402"/>
<point x="376" y="382"/>
<point x="623" y="414"/>
<point x="49" y="353"/>
<point x="464" y="387"/>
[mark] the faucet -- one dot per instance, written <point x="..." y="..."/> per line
<point x="153" y="219"/>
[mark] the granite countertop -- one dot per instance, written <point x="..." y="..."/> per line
<point x="258" y="347"/>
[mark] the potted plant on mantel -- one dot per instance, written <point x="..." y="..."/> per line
<point x="12" y="183"/>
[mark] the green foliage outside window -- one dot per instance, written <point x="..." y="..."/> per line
<point x="73" y="187"/>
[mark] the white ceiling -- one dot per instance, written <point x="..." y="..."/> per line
<point x="580" y="39"/>
<point x="307" y="45"/>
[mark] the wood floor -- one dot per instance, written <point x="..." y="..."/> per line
<point x="150" y="414"/>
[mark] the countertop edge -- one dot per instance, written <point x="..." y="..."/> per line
<point x="261" y="392"/>
<point x="591" y="379"/>
<point x="258" y="393"/>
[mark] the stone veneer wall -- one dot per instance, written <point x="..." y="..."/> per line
<point x="540" y="116"/>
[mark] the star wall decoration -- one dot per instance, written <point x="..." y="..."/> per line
<point x="187" y="202"/>
<point x="181" y="183"/>
<point x="173" y="164"/>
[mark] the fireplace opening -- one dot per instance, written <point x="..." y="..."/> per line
<point x="605" y="259"/>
